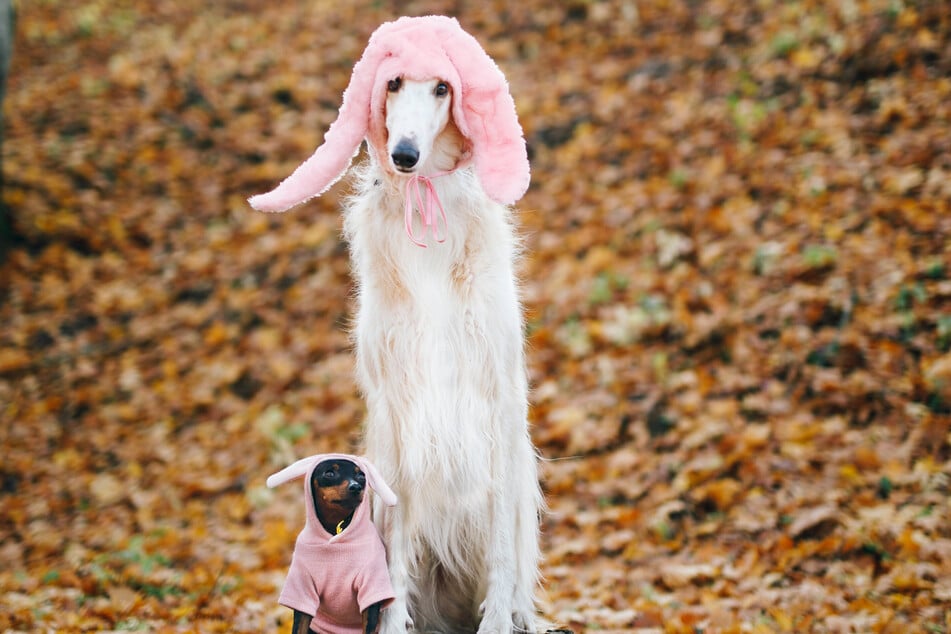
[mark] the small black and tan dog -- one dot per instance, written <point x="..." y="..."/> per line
<point x="337" y="487"/>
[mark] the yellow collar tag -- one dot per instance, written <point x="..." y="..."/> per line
<point x="340" y="526"/>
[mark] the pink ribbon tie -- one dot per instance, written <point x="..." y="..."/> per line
<point x="426" y="210"/>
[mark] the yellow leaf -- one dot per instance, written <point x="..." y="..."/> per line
<point x="12" y="359"/>
<point x="216" y="333"/>
<point x="805" y="58"/>
<point x="783" y="620"/>
<point x="850" y="474"/>
<point x="67" y="459"/>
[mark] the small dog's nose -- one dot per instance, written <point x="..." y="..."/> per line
<point x="355" y="487"/>
<point x="405" y="154"/>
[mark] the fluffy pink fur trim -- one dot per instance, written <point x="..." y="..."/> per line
<point x="418" y="48"/>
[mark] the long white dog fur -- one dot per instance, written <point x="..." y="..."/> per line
<point x="440" y="359"/>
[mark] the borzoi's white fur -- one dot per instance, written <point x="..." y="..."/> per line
<point x="438" y="336"/>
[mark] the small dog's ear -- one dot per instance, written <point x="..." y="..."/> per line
<point x="297" y="470"/>
<point x="376" y="482"/>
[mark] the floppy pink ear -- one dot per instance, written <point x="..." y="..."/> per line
<point x="489" y="120"/>
<point x="297" y="470"/>
<point x="341" y="143"/>
<point x="377" y="483"/>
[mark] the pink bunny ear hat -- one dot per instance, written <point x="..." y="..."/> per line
<point x="422" y="48"/>
<point x="303" y="466"/>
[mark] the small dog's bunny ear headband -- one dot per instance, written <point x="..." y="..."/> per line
<point x="418" y="48"/>
<point x="304" y="465"/>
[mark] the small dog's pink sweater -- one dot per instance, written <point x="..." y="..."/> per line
<point x="336" y="577"/>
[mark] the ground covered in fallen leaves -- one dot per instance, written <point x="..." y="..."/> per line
<point x="738" y="299"/>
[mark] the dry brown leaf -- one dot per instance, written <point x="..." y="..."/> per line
<point x="810" y="519"/>
<point x="679" y="575"/>
<point x="107" y="489"/>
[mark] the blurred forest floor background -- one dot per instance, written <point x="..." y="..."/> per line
<point x="737" y="280"/>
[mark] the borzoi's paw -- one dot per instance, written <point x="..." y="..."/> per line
<point x="395" y="619"/>
<point x="500" y="625"/>
<point x="523" y="611"/>
<point x="525" y="622"/>
<point x="495" y="621"/>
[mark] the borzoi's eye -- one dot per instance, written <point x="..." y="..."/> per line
<point x="394" y="85"/>
<point x="442" y="89"/>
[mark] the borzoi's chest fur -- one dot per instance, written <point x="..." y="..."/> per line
<point x="438" y="342"/>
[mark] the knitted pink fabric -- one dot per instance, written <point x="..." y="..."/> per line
<point x="336" y="577"/>
<point x="418" y="48"/>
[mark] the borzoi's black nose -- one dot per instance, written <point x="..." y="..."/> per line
<point x="405" y="154"/>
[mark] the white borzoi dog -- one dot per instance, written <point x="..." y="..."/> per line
<point x="438" y="329"/>
<point x="440" y="360"/>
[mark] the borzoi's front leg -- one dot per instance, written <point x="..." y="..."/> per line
<point x="527" y="508"/>
<point x="395" y="619"/>
<point x="497" y="607"/>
